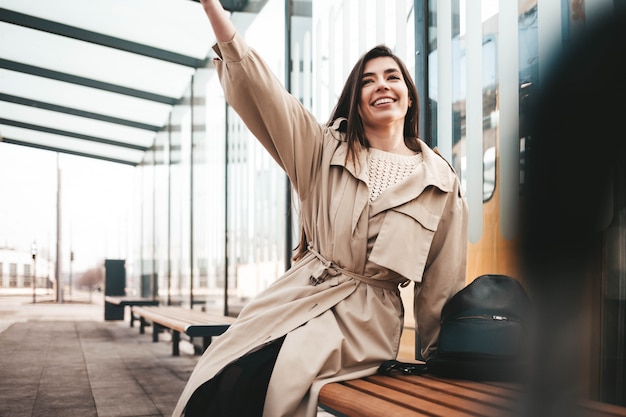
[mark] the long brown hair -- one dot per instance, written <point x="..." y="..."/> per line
<point x="348" y="104"/>
<point x="348" y="108"/>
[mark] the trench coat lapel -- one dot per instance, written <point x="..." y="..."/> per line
<point x="361" y="197"/>
<point x="339" y="158"/>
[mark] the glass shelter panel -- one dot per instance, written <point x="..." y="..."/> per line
<point x="255" y="185"/>
<point x="344" y="30"/>
<point x="210" y="190"/>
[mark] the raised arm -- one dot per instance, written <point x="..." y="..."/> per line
<point x="277" y="119"/>
<point x="223" y="28"/>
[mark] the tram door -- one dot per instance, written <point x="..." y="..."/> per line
<point x="576" y="199"/>
<point x="491" y="158"/>
<point x="613" y="311"/>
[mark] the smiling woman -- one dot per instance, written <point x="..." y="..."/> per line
<point x="379" y="74"/>
<point x="362" y="237"/>
<point x="384" y="104"/>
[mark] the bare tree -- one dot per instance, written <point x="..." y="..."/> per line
<point x="91" y="278"/>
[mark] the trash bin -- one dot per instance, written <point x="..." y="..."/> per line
<point x="114" y="285"/>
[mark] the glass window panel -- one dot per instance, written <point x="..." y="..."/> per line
<point x="256" y="185"/>
<point x="343" y="31"/>
<point x="144" y="283"/>
<point x="508" y="119"/>
<point x="183" y="120"/>
<point x="71" y="144"/>
<point x="141" y="21"/>
<point x="76" y="124"/>
<point x="96" y="201"/>
<point x="161" y="214"/>
<point x="83" y="98"/>
<point x="179" y="289"/>
<point x="28" y="186"/>
<point x="471" y="140"/>
<point x="210" y="177"/>
<point x="92" y="61"/>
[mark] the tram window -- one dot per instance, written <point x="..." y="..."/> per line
<point x="489" y="121"/>
<point x="489" y="172"/>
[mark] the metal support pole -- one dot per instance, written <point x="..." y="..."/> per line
<point x="33" y="250"/>
<point x="71" y="262"/>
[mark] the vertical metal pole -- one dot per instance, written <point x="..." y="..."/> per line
<point x="71" y="262"/>
<point x="169" y="210"/>
<point x="288" y="196"/>
<point x="142" y="205"/>
<point x="226" y="122"/>
<point x="421" y="82"/>
<point x="421" y="69"/>
<point x="59" y="259"/>
<point x="33" y="250"/>
<point x="154" y="279"/>
<point x="191" y="183"/>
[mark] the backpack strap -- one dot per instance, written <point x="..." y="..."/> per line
<point x="406" y="368"/>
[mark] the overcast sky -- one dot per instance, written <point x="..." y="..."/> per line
<point x="96" y="202"/>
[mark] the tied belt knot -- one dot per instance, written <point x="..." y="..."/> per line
<point x="330" y="270"/>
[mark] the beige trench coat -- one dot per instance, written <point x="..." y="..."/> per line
<point x="345" y="326"/>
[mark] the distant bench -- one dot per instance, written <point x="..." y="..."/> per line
<point x="425" y="395"/>
<point x="180" y="320"/>
<point x="119" y="303"/>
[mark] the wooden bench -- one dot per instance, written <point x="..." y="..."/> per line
<point x="180" y="320"/>
<point x="122" y="302"/>
<point x="426" y="395"/>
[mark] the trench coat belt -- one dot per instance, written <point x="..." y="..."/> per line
<point x="331" y="270"/>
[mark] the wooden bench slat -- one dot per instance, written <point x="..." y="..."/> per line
<point x="170" y="323"/>
<point x="186" y="315"/>
<point x="596" y="408"/>
<point x="120" y="302"/>
<point x="352" y="402"/>
<point x="179" y="320"/>
<point x="505" y="390"/>
<point x="435" y="397"/>
<point x="499" y="397"/>
<point x="123" y="300"/>
<point x="413" y="401"/>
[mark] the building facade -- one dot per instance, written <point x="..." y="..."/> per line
<point x="18" y="270"/>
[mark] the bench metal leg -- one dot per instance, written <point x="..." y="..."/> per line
<point x="155" y="332"/>
<point x="206" y="341"/>
<point x="175" y="343"/>
<point x="143" y="323"/>
<point x="132" y="317"/>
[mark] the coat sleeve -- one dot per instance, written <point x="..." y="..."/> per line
<point x="444" y="274"/>
<point x="288" y="131"/>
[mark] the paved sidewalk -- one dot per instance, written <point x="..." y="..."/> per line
<point x="65" y="360"/>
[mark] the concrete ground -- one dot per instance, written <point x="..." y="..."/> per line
<point x="64" y="360"/>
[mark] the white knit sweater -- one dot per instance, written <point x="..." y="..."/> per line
<point x="386" y="169"/>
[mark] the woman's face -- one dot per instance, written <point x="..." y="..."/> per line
<point x="384" y="94"/>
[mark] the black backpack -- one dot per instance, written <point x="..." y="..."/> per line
<point x="483" y="335"/>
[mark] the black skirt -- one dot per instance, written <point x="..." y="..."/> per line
<point x="239" y="389"/>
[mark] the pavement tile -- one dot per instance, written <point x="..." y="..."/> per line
<point x="64" y="360"/>
<point x="16" y="408"/>
<point x="55" y="363"/>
